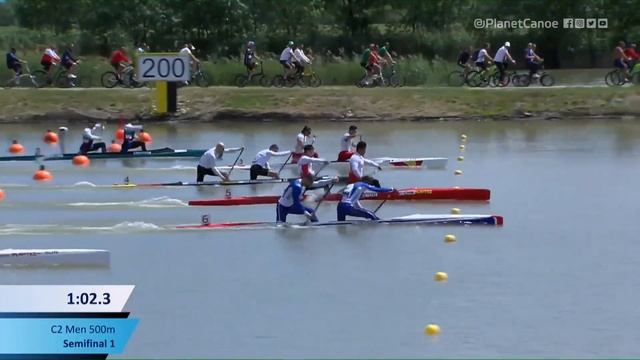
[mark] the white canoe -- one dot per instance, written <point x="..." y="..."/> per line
<point x="63" y="257"/>
<point x="342" y="168"/>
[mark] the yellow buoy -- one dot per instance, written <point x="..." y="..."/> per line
<point x="458" y="172"/>
<point x="460" y="158"/>
<point x="441" y="276"/>
<point x="432" y="329"/>
<point x="450" y="238"/>
<point x="461" y="147"/>
<point x="455" y="211"/>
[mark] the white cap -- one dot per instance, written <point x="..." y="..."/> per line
<point x="507" y="44"/>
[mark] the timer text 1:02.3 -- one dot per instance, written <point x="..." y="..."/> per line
<point x="89" y="299"/>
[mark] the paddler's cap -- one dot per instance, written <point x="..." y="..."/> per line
<point x="63" y="128"/>
<point x="507" y="44"/>
<point x="274" y="147"/>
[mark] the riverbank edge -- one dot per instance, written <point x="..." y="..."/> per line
<point x="339" y="104"/>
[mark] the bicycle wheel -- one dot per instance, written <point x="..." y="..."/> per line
<point x="109" y="79"/>
<point x="63" y="81"/>
<point x="473" y="78"/>
<point x="278" y="81"/>
<point x="201" y="79"/>
<point x="264" y="81"/>
<point x="547" y="80"/>
<point x="40" y="78"/>
<point x="314" y="81"/>
<point x="394" y="80"/>
<point x="614" y="78"/>
<point x="455" y="78"/>
<point x="522" y="80"/>
<point x="292" y="81"/>
<point x="241" y="80"/>
<point x="494" y="80"/>
<point x="635" y="78"/>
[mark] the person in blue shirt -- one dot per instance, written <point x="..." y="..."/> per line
<point x="69" y="61"/>
<point x="350" y="203"/>
<point x="14" y="63"/>
<point x="291" y="200"/>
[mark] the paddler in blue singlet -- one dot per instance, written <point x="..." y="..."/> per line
<point x="350" y="203"/>
<point x="291" y="200"/>
<point x="130" y="141"/>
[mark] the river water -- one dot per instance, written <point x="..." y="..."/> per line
<point x="559" y="279"/>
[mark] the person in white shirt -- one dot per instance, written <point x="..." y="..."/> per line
<point x="260" y="165"/>
<point x="88" y="143"/>
<point x="301" y="60"/>
<point x="48" y="60"/>
<point x="305" y="164"/>
<point x="286" y="59"/>
<point x="502" y="59"/>
<point x="483" y="57"/>
<point x="302" y="139"/>
<point x="346" y="144"/>
<point x="357" y="162"/>
<point x="207" y="162"/>
<point x="193" y="60"/>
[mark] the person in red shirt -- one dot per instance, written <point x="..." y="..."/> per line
<point x="632" y="54"/>
<point x="119" y="61"/>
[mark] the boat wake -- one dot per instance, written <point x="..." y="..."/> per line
<point x="157" y="202"/>
<point x="84" y="184"/>
<point x="48" y="229"/>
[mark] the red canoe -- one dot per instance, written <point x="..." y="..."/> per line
<point x="402" y="194"/>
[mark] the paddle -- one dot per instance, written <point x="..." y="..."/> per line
<point x="379" y="206"/>
<point x="285" y="163"/>
<point x="320" y="201"/>
<point x="234" y="163"/>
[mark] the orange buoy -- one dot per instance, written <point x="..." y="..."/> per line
<point x="42" y="175"/>
<point x="1" y="194"/>
<point x="16" y="148"/>
<point x="80" y="160"/>
<point x="50" y="137"/>
<point x="145" y="136"/>
<point x="114" y="147"/>
<point x="120" y="134"/>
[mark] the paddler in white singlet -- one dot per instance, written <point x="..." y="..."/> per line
<point x="346" y="144"/>
<point x="207" y="162"/>
<point x="260" y="165"/>
<point x="302" y="139"/>
<point x="357" y="162"/>
<point x="305" y="164"/>
<point x="88" y="140"/>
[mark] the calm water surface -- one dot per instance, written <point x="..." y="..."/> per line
<point x="559" y="279"/>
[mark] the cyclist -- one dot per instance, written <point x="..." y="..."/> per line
<point x="483" y="57"/>
<point x="300" y="59"/>
<point x="69" y="62"/>
<point x="532" y="60"/>
<point x="250" y="58"/>
<point x="119" y="61"/>
<point x="632" y="54"/>
<point x="49" y="58"/>
<point x="385" y="54"/>
<point x="502" y="60"/>
<point x="620" y="59"/>
<point x="187" y="50"/>
<point x="463" y="59"/>
<point x="286" y="58"/>
<point x="364" y="61"/>
<point x="14" y="63"/>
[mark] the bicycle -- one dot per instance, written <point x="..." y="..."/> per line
<point x="392" y="78"/>
<point x="26" y="73"/>
<point x="618" y="77"/>
<point x="242" y="80"/>
<point x="60" y="78"/>
<point x="482" y="78"/>
<point x="457" y="78"/>
<point x="110" y="79"/>
<point x="199" y="77"/>
<point x="309" y="78"/>
<point x="524" y="80"/>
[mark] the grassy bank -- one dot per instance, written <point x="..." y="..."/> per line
<point x="327" y="103"/>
